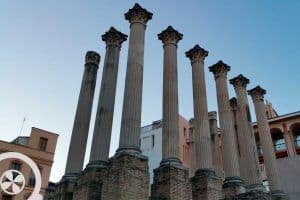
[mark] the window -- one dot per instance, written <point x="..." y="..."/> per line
<point x="43" y="144"/>
<point x="16" y="165"/>
<point x="280" y="145"/>
<point x="297" y="141"/>
<point x="153" y="141"/>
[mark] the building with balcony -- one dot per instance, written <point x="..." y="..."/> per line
<point x="40" y="147"/>
<point x="285" y="131"/>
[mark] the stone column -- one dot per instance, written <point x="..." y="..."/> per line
<point x="92" y="182"/>
<point x="193" y="164"/>
<point x="233" y="106"/>
<point x="128" y="174"/>
<point x="216" y="153"/>
<point x="80" y="128"/>
<point x="170" y="129"/>
<point x="257" y="95"/>
<point x="233" y="184"/>
<point x="106" y="102"/>
<point x="248" y="151"/>
<point x="205" y="174"/>
<point x="289" y="141"/>
<point x="132" y="105"/>
<point x="202" y="132"/>
<point x="83" y="115"/>
<point x="171" y="179"/>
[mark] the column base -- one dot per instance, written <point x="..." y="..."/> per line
<point x="92" y="182"/>
<point x="279" y="195"/>
<point x="254" y="196"/>
<point x="255" y="192"/>
<point x="256" y="187"/>
<point x="206" y="185"/>
<point x="232" y="187"/>
<point x="171" y="181"/>
<point x="65" y="188"/>
<point x="128" y="176"/>
<point x="129" y="150"/>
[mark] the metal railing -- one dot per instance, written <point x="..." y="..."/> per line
<point x="280" y="146"/>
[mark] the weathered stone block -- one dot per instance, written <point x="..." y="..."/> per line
<point x="254" y="195"/>
<point x="128" y="177"/>
<point x="65" y="187"/>
<point x="279" y="195"/>
<point x="206" y="185"/>
<point x="91" y="183"/>
<point x="171" y="182"/>
<point x="232" y="187"/>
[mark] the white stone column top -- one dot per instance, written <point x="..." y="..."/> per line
<point x="239" y="81"/>
<point x="170" y="36"/>
<point x="114" y="37"/>
<point x="196" y="54"/>
<point x="257" y="93"/>
<point x="233" y="103"/>
<point x="92" y="57"/>
<point x="219" y="69"/>
<point x="212" y="115"/>
<point x="137" y="14"/>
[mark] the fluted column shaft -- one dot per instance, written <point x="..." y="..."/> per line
<point x="106" y="102"/>
<point x="83" y="115"/>
<point x="212" y="116"/>
<point x="132" y="104"/>
<point x="248" y="152"/>
<point x="265" y="138"/>
<point x="202" y="132"/>
<point x="170" y="129"/>
<point x="170" y="103"/>
<point x="229" y="143"/>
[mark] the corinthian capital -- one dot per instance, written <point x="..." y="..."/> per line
<point x="137" y="14"/>
<point x="257" y="93"/>
<point x="114" y="37"/>
<point x="219" y="69"/>
<point x="233" y="103"/>
<point x="196" y="54"/>
<point x="170" y="36"/>
<point x="239" y="81"/>
<point x="92" y="57"/>
<point x="212" y="115"/>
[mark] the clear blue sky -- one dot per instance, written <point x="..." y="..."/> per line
<point x="43" y="43"/>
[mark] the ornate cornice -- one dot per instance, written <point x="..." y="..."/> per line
<point x="196" y="54"/>
<point x="239" y="81"/>
<point x="257" y="93"/>
<point x="219" y="69"/>
<point x="92" y="57"/>
<point x="114" y="37"/>
<point x="137" y="14"/>
<point x="170" y="36"/>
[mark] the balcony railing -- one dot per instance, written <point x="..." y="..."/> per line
<point x="280" y="146"/>
<point x="297" y="143"/>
